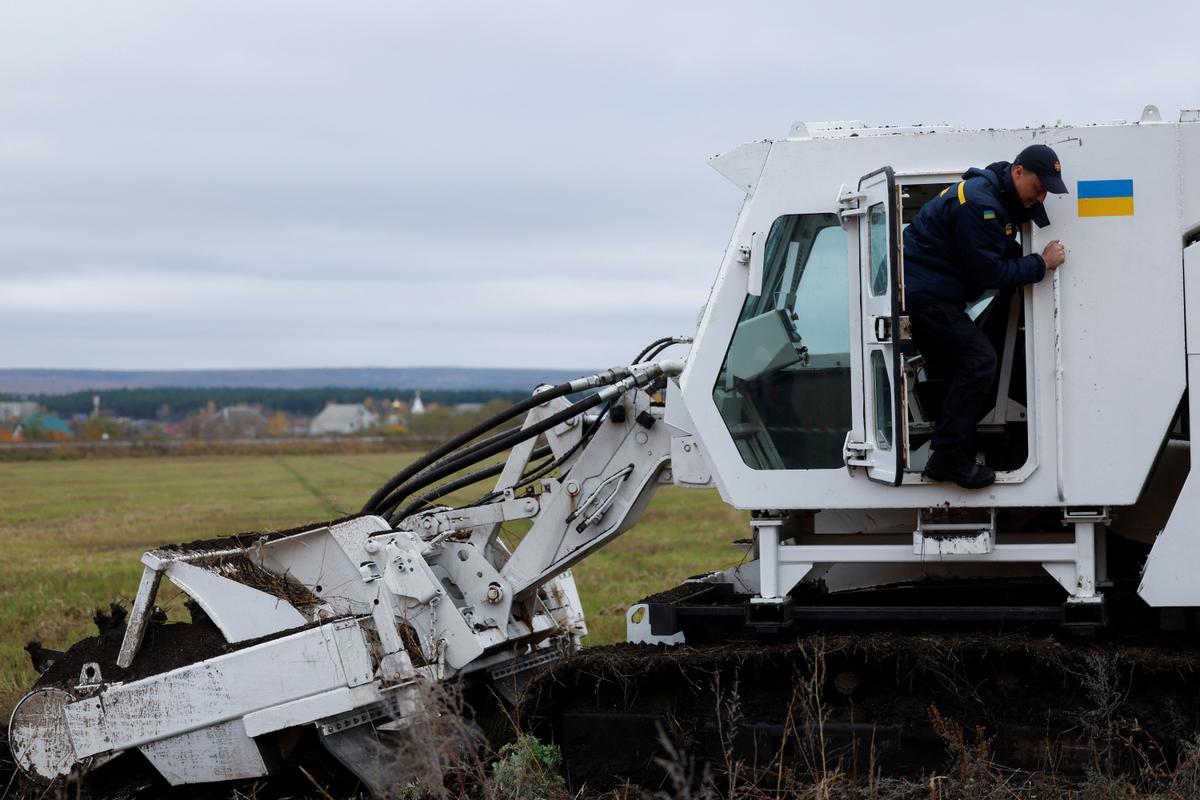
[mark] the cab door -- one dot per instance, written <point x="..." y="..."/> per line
<point x="871" y="217"/>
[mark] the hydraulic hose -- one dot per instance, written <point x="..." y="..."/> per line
<point x="658" y="345"/>
<point x="498" y="444"/>
<point x="568" y="387"/>
<point x="465" y="480"/>
<point x="649" y="352"/>
<point x="460" y="459"/>
<point x="482" y="450"/>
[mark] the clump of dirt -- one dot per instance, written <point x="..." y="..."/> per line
<point x="165" y="647"/>
<point x="248" y="538"/>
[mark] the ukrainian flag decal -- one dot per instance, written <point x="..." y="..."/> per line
<point x="1106" y="198"/>
<point x="989" y="214"/>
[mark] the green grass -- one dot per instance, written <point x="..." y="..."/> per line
<point x="71" y="534"/>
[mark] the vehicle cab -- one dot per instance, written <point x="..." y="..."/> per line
<point x="805" y="390"/>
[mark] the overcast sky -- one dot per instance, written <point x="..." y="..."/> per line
<point x="253" y="184"/>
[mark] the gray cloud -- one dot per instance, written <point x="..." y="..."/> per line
<point x="212" y="184"/>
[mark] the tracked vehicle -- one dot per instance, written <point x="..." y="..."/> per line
<point x="801" y="400"/>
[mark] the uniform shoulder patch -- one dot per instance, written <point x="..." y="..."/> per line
<point x="989" y="214"/>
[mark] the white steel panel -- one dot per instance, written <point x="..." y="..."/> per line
<point x="903" y="553"/>
<point x="1191" y="284"/>
<point x="213" y="691"/>
<point x="221" y="753"/>
<point x="1169" y="577"/>
<point x="743" y="164"/>
<point x="1189" y="168"/>
<point x="1121" y="317"/>
<point x="308" y="709"/>
<point x="357" y="665"/>
<point x="326" y="562"/>
<point x="242" y="613"/>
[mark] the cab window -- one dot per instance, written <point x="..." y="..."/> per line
<point x="784" y="388"/>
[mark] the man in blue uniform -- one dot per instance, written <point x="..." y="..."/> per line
<point x="960" y="244"/>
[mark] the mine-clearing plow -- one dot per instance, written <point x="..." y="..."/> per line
<point x="872" y="611"/>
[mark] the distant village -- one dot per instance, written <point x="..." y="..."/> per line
<point x="30" y="421"/>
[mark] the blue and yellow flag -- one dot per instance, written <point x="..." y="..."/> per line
<point x="1106" y="198"/>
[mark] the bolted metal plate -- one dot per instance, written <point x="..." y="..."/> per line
<point x="40" y="736"/>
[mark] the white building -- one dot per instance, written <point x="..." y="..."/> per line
<point x="417" y="406"/>
<point x="17" y="409"/>
<point x="231" y="422"/>
<point x="342" y="418"/>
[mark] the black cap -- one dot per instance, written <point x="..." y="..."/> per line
<point x="1043" y="162"/>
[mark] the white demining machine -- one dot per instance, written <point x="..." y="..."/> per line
<point x="800" y="399"/>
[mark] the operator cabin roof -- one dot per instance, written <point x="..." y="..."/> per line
<point x="342" y="418"/>
<point x="743" y="165"/>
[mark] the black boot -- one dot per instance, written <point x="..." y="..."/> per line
<point x="959" y="468"/>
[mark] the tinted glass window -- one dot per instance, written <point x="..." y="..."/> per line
<point x="877" y="234"/>
<point x="784" y="388"/>
<point x="883" y="401"/>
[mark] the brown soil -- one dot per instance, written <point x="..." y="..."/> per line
<point x="246" y="539"/>
<point x="166" y="647"/>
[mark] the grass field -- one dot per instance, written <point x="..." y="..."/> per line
<point x="71" y="534"/>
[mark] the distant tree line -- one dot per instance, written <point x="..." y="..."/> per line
<point x="148" y="403"/>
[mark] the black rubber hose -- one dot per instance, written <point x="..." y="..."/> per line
<point x="583" y="440"/>
<point x="433" y="455"/>
<point x="649" y="352"/>
<point x="663" y="341"/>
<point x="537" y="472"/>
<point x="484" y="450"/>
<point x="654" y="353"/>
<point x="660" y="345"/>
<point x="465" y="480"/>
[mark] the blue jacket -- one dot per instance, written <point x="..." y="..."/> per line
<point x="964" y="241"/>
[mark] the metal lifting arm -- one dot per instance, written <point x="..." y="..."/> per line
<point x="602" y="491"/>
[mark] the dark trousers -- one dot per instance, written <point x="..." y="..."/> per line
<point x="958" y="352"/>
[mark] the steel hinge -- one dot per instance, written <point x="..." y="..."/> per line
<point x="855" y="454"/>
<point x="850" y="203"/>
<point x="883" y="329"/>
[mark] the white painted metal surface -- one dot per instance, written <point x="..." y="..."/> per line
<point x="242" y="613"/>
<point x="220" y="689"/>
<point x="637" y="628"/>
<point x="39" y="734"/>
<point x="1113" y="315"/>
<point x="221" y="752"/>
<point x="1169" y="578"/>
<point x="307" y="709"/>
